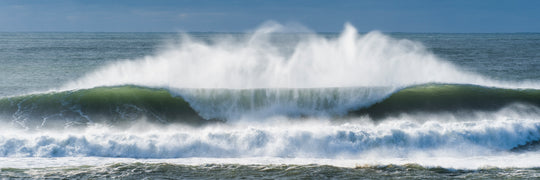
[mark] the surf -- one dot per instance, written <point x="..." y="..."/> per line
<point x="368" y="97"/>
<point x="441" y="135"/>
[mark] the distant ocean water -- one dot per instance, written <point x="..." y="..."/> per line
<point x="269" y="105"/>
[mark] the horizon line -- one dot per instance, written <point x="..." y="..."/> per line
<point x="247" y="32"/>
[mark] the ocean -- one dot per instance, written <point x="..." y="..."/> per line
<point x="269" y="105"/>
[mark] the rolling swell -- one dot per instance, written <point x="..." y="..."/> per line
<point x="451" y="98"/>
<point x="124" y="104"/>
<point x="108" y="105"/>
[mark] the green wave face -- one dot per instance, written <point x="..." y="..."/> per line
<point x="126" y="104"/>
<point x="108" y="105"/>
<point x="432" y="98"/>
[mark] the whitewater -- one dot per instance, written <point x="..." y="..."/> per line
<point x="270" y="99"/>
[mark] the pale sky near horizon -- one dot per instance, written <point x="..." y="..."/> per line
<point x="244" y="15"/>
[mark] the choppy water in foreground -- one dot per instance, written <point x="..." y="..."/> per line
<point x="236" y="171"/>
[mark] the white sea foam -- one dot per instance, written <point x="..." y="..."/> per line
<point x="444" y="135"/>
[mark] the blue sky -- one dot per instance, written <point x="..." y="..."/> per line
<point x="243" y="15"/>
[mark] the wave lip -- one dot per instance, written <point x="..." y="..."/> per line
<point x="231" y="104"/>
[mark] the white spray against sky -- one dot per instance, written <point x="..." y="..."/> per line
<point x="350" y="60"/>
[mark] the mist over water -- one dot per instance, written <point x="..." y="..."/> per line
<point x="254" y="61"/>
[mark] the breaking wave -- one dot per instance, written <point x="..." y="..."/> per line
<point x="127" y="104"/>
<point x="352" y="96"/>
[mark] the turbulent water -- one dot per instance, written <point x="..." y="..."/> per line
<point x="269" y="104"/>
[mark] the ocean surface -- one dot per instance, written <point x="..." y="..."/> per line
<point x="270" y="104"/>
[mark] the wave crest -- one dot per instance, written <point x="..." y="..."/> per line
<point x="269" y="59"/>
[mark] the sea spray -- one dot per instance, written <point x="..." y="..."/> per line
<point x="350" y="60"/>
